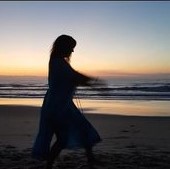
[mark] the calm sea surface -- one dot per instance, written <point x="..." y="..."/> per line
<point x="125" y="96"/>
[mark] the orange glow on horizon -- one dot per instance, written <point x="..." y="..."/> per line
<point x="98" y="72"/>
<point x="22" y="72"/>
<point x="37" y="68"/>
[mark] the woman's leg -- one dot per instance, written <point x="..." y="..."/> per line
<point x="54" y="153"/>
<point x="90" y="155"/>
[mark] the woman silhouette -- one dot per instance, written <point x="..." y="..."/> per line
<point x="59" y="115"/>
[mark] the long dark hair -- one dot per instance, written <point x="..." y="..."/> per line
<point x="63" y="47"/>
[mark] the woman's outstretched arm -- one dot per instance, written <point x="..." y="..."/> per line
<point x="82" y="79"/>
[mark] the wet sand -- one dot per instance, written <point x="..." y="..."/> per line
<point x="129" y="142"/>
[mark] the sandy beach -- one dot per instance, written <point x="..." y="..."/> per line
<point x="129" y="142"/>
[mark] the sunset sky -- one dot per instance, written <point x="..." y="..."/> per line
<point x="112" y="37"/>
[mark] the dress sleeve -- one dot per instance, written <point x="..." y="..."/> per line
<point x="78" y="78"/>
<point x="81" y="79"/>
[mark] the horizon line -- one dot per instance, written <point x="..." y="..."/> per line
<point x="98" y="73"/>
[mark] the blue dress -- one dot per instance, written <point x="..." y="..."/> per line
<point x="59" y="115"/>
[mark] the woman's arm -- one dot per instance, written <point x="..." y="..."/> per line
<point x="82" y="79"/>
<point x="78" y="78"/>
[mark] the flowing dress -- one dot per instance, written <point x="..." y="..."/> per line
<point x="59" y="116"/>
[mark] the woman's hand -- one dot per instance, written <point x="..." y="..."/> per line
<point x="96" y="82"/>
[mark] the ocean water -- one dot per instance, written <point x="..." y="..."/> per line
<point x="119" y="95"/>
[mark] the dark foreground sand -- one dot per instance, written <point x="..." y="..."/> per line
<point x="129" y="142"/>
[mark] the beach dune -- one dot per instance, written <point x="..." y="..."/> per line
<point x="128" y="142"/>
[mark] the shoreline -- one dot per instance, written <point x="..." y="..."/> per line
<point x="86" y="110"/>
<point x="118" y="107"/>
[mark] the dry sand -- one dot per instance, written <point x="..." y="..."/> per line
<point x="129" y="142"/>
